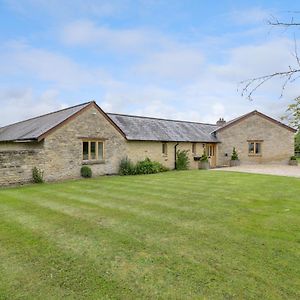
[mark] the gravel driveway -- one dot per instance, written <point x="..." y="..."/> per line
<point x="282" y="170"/>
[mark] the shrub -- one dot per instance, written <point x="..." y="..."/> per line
<point x="37" y="175"/>
<point x="182" y="160"/>
<point x="204" y="157"/>
<point x="234" y="155"/>
<point x="145" y="166"/>
<point x="86" y="172"/>
<point x="126" y="167"/>
<point x="293" y="158"/>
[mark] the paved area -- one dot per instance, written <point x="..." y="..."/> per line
<point x="281" y="170"/>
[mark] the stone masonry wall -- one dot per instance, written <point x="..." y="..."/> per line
<point x="139" y="150"/>
<point x="63" y="147"/>
<point x="16" y="165"/>
<point x="277" y="142"/>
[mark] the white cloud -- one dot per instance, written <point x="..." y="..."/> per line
<point x="86" y="33"/>
<point x="18" y="58"/>
<point x="21" y="104"/>
<point x="178" y="62"/>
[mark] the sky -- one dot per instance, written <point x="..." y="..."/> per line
<point x="171" y="59"/>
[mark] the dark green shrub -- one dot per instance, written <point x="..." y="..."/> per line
<point x="234" y="155"/>
<point x="182" y="160"/>
<point x="145" y="166"/>
<point x="86" y="172"/>
<point x="293" y="158"/>
<point x="204" y="157"/>
<point x="37" y="175"/>
<point x="126" y="167"/>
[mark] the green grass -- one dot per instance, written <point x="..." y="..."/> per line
<point x="175" y="235"/>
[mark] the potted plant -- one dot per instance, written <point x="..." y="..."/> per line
<point x="234" y="161"/>
<point x="203" y="162"/>
<point x="293" y="161"/>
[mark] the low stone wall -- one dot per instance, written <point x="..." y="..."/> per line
<point x="16" y="166"/>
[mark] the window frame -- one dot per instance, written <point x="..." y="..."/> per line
<point x="255" y="143"/>
<point x="96" y="141"/>
<point x="194" y="148"/>
<point x="164" y="149"/>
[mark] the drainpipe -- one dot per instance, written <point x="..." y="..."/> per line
<point x="175" y="151"/>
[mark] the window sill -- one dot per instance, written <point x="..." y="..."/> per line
<point x="93" y="162"/>
<point x="254" y="155"/>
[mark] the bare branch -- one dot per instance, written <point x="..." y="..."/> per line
<point x="250" y="86"/>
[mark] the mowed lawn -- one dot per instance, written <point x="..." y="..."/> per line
<point x="176" y="235"/>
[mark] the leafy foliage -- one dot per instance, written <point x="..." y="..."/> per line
<point x="182" y="160"/>
<point x="234" y="155"/>
<point x="126" y="167"/>
<point x="293" y="158"/>
<point x="204" y="157"/>
<point x="86" y="172"/>
<point x="145" y="166"/>
<point x="37" y="175"/>
<point x="293" y="114"/>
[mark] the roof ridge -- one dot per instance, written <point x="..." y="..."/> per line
<point x="163" y="119"/>
<point x="53" y="112"/>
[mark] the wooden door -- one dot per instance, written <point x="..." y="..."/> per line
<point x="211" y="153"/>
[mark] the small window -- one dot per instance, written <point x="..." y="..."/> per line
<point x="194" y="150"/>
<point x="164" y="148"/>
<point x="92" y="150"/>
<point x="100" y="150"/>
<point x="254" y="148"/>
<point x="85" y="150"/>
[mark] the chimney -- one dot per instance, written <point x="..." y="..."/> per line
<point x="221" y="122"/>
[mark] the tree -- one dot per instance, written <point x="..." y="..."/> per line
<point x="293" y="114"/>
<point x="290" y="75"/>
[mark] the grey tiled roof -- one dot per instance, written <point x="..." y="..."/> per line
<point x="33" y="128"/>
<point x="154" y="129"/>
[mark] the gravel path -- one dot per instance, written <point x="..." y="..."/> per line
<point x="281" y="170"/>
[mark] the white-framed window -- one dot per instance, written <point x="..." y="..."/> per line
<point x="254" y="148"/>
<point x="164" y="149"/>
<point x="92" y="150"/>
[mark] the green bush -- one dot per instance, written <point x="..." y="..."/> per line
<point x="145" y="166"/>
<point x="37" y="175"/>
<point x="86" y="172"/>
<point x="293" y="158"/>
<point x="204" y="157"/>
<point x="182" y="160"/>
<point x="234" y="155"/>
<point x="126" y="167"/>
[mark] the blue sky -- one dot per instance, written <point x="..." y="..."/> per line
<point x="174" y="59"/>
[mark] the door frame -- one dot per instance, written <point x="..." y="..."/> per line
<point x="211" y="152"/>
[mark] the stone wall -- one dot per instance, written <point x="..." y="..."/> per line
<point x="16" y="165"/>
<point x="63" y="147"/>
<point x="139" y="150"/>
<point x="277" y="141"/>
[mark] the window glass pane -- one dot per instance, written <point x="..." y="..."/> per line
<point x="258" y="148"/>
<point x="164" y="148"/>
<point x="194" y="148"/>
<point x="251" y="148"/>
<point x="100" y="150"/>
<point x="93" y="150"/>
<point x="85" y="150"/>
